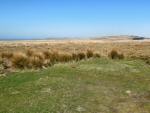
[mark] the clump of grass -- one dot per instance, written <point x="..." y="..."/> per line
<point x="75" y="56"/>
<point x="19" y="60"/>
<point x="54" y="57"/>
<point x="121" y="56"/>
<point x="115" y="55"/>
<point x="30" y="52"/>
<point x="39" y="55"/>
<point x="64" y="57"/>
<point x="145" y="58"/>
<point x="35" y="62"/>
<point x="7" y="55"/>
<point x="47" y="54"/>
<point x="148" y="61"/>
<point x="1" y="60"/>
<point x="96" y="55"/>
<point x="81" y="56"/>
<point x="89" y="53"/>
<point x="47" y="63"/>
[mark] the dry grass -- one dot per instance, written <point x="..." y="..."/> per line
<point x="6" y="55"/>
<point x="54" y="57"/>
<point x="115" y="55"/>
<point x="81" y="55"/>
<point x="39" y="55"/>
<point x="20" y="60"/>
<point x="1" y="60"/>
<point x="39" y="59"/>
<point x="148" y="61"/>
<point x="128" y="48"/>
<point x="47" y="53"/>
<point x="64" y="57"/>
<point x="96" y="55"/>
<point x="35" y="62"/>
<point x="89" y="53"/>
<point x="30" y="52"/>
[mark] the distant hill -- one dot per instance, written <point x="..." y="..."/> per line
<point x="121" y="37"/>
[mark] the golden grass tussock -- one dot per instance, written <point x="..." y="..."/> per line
<point x="30" y="52"/>
<point x="35" y="62"/>
<point x="40" y="59"/>
<point x="7" y="55"/>
<point x="89" y="53"/>
<point x="115" y="55"/>
<point x="75" y="56"/>
<point x="81" y="56"/>
<point x="47" y="62"/>
<point x="19" y="60"/>
<point x="54" y="57"/>
<point x="1" y="60"/>
<point x="47" y="54"/>
<point x="121" y="56"/>
<point x="148" y="61"/>
<point x="65" y="57"/>
<point x="96" y="55"/>
<point x="39" y="55"/>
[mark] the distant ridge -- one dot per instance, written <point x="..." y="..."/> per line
<point x="112" y="38"/>
<point x="121" y="37"/>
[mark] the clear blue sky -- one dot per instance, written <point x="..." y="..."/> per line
<point x="73" y="18"/>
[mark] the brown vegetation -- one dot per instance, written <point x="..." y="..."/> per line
<point x="38" y="54"/>
<point x="39" y="59"/>
<point x="81" y="55"/>
<point x="89" y="53"/>
<point x="6" y="54"/>
<point x="115" y="55"/>
<point x="19" y="60"/>
<point x="96" y="55"/>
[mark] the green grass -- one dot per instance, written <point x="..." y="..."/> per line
<point x="93" y="86"/>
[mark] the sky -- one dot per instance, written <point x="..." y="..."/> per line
<point x="73" y="18"/>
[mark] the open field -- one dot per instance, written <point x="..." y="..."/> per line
<point x="127" y="47"/>
<point x="44" y="53"/>
<point x="79" y="76"/>
<point x="92" y="86"/>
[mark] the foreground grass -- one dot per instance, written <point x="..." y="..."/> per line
<point x="93" y="86"/>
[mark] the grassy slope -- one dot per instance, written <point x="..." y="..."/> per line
<point x="94" y="86"/>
